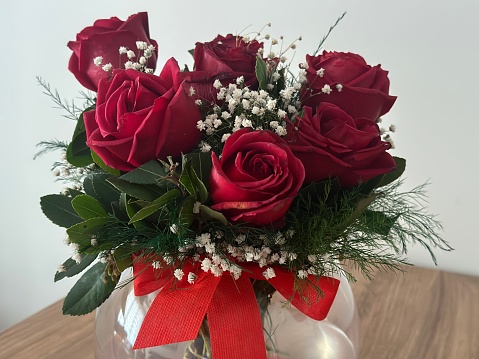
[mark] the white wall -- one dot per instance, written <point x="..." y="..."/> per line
<point x="430" y="48"/>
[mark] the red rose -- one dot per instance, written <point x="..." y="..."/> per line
<point x="330" y="143"/>
<point x="364" y="91"/>
<point x="140" y="117"/>
<point x="256" y="178"/>
<point x="227" y="58"/>
<point x="105" y="38"/>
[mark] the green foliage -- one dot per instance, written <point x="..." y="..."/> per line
<point x="88" y="207"/>
<point x="78" y="153"/>
<point x="58" y="209"/>
<point x="73" y="268"/>
<point x="155" y="206"/>
<point x="261" y="73"/>
<point x="91" y="290"/>
<point x="102" y="164"/>
<point x="97" y="186"/>
<point x="151" y="172"/>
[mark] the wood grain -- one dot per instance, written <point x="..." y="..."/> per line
<point x="421" y="314"/>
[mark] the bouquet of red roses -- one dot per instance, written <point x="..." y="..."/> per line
<point x="239" y="171"/>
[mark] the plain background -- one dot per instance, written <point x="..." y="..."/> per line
<point x="430" y="48"/>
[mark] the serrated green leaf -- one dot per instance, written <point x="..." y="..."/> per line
<point x="209" y="214"/>
<point x="58" y="209"/>
<point x="89" y="292"/>
<point x="96" y="186"/>
<point x="73" y="268"/>
<point x="261" y="73"/>
<point x="82" y="233"/>
<point x="135" y="190"/>
<point x="156" y="205"/>
<point x="149" y="173"/>
<point x="88" y="207"/>
<point x="97" y="159"/>
<point x="392" y="176"/>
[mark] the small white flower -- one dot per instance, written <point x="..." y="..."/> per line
<point x="281" y="131"/>
<point x="283" y="59"/>
<point x="205" y="147"/>
<point x="143" y="60"/>
<point x="235" y="271"/>
<point x="141" y="45"/>
<point x="320" y="72"/>
<point x="122" y="50"/>
<point x="240" y="238"/>
<point x="192" y="91"/>
<point x="192" y="277"/>
<point x="392" y="128"/>
<point x="128" y="65"/>
<point x="98" y="60"/>
<point x="339" y="87"/>
<point x="206" y="264"/>
<point x="56" y="172"/>
<point x="225" y="115"/>
<point x="76" y="257"/>
<point x="225" y="137"/>
<point x="107" y="67"/>
<point x="156" y="264"/>
<point x="178" y="273"/>
<point x="210" y="248"/>
<point x="196" y="207"/>
<point x="276" y="76"/>
<point x="271" y="104"/>
<point x="269" y="273"/>
<point x="217" y="271"/>
<point x="74" y="246"/>
<point x="168" y="259"/>
<point x="240" y="80"/>
<point x="246" y="123"/>
<point x="94" y="242"/>
<point x="255" y="110"/>
<point x="281" y="113"/>
<point x="326" y="89"/>
<point x="302" y="274"/>
<point x="198" y="102"/>
<point x="245" y="103"/>
<point x="61" y="268"/>
<point x="217" y="84"/>
<point x="131" y="54"/>
<point x="270" y="86"/>
<point x="174" y="228"/>
<point x="148" y="71"/>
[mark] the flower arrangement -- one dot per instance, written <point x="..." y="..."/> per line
<point x="241" y="173"/>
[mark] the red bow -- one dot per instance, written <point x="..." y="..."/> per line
<point x="230" y="305"/>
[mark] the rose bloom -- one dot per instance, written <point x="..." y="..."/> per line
<point x="256" y="179"/>
<point x="228" y="57"/>
<point x="330" y="143"/>
<point x="140" y="117"/>
<point x="365" y="89"/>
<point x="105" y="38"/>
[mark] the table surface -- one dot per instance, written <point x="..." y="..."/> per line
<point x="423" y="313"/>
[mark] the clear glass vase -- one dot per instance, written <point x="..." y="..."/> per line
<point x="288" y="332"/>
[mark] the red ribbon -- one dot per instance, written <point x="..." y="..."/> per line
<point x="234" y="319"/>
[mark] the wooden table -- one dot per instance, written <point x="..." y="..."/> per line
<point x="422" y="314"/>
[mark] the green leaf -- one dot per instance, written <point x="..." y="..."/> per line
<point x="156" y="205"/>
<point x="202" y="164"/>
<point x="379" y="222"/>
<point x="58" y="209"/>
<point x="361" y="207"/>
<point x="91" y="290"/>
<point x="192" y="183"/>
<point x="97" y="159"/>
<point x="88" y="207"/>
<point x="261" y="73"/>
<point x="96" y="186"/>
<point x="208" y="214"/>
<point x="78" y="153"/>
<point x="144" y="192"/>
<point x="123" y="258"/>
<point x="82" y="233"/>
<point x="73" y="268"/>
<point x="151" y="172"/>
<point x="392" y="176"/>
<point x="186" y="216"/>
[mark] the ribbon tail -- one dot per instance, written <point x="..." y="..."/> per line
<point x="234" y="319"/>
<point x="176" y="314"/>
